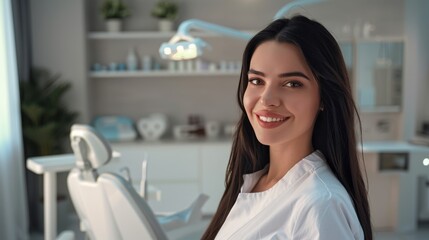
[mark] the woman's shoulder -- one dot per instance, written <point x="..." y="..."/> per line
<point x="313" y="180"/>
<point x="331" y="215"/>
<point x="325" y="185"/>
<point x="321" y="188"/>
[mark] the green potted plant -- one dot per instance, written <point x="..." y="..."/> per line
<point x="166" y="12"/>
<point x="46" y="121"/>
<point x="114" y="11"/>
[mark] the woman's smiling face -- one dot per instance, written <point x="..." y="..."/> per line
<point x="282" y="97"/>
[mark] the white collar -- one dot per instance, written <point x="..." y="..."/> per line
<point x="308" y="164"/>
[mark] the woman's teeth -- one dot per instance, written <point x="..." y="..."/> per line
<point x="270" y="119"/>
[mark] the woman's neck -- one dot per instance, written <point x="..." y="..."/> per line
<point x="284" y="157"/>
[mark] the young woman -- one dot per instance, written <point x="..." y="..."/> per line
<point x="293" y="172"/>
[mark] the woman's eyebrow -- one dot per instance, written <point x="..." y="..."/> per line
<point x="286" y="74"/>
<point x="256" y="72"/>
<point x="294" y="74"/>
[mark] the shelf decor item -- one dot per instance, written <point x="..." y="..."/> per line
<point x="114" y="11"/>
<point x="166" y="12"/>
<point x="152" y="128"/>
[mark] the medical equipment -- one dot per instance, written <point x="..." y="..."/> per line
<point x="107" y="204"/>
<point x="182" y="46"/>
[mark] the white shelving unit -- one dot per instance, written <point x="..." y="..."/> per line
<point x="161" y="73"/>
<point x="153" y="36"/>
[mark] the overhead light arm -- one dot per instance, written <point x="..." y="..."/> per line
<point x="183" y="46"/>
<point x="187" y="25"/>
<point x="286" y="8"/>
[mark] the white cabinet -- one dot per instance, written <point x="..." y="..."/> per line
<point x="214" y="159"/>
<point x="393" y="194"/>
<point x="180" y="170"/>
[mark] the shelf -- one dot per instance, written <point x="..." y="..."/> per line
<point x="391" y="147"/>
<point x="380" y="109"/>
<point x="134" y="74"/>
<point x="146" y="35"/>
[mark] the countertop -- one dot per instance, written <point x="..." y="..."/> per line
<point x="392" y="146"/>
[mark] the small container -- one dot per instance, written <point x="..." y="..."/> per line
<point x="212" y="129"/>
<point x="189" y="66"/>
<point x="132" y="62"/>
<point x="180" y="66"/>
<point x="96" y="67"/>
<point x="231" y="66"/>
<point x="122" y="67"/>
<point x="223" y="66"/>
<point x="147" y="63"/>
<point x="212" y="67"/>
<point x="172" y="66"/>
<point x="199" y="65"/>
<point x="113" y="66"/>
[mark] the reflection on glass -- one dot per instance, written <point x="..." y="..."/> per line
<point x="379" y="74"/>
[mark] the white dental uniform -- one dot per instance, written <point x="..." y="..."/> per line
<point x="307" y="203"/>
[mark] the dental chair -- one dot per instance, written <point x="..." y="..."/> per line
<point x="107" y="204"/>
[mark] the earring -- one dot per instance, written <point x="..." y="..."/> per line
<point x="321" y="108"/>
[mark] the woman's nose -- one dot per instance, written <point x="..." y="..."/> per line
<point x="270" y="98"/>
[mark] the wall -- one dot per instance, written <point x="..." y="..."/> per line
<point x="416" y="66"/>
<point x="58" y="44"/>
<point x="387" y="15"/>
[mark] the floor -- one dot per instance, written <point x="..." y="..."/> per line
<point x="421" y="234"/>
<point x="74" y="226"/>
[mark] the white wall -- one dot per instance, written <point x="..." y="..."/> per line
<point x="387" y="15"/>
<point x="59" y="44"/>
<point x="416" y="75"/>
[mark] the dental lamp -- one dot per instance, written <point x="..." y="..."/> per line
<point x="182" y="46"/>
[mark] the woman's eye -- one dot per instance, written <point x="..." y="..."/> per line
<point x="255" y="81"/>
<point x="293" y="84"/>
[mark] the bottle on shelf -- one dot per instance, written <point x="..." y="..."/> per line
<point x="132" y="60"/>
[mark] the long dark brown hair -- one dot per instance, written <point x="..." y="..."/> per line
<point x="334" y="130"/>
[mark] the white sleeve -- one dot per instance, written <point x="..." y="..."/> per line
<point x="328" y="219"/>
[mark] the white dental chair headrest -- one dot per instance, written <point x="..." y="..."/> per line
<point x="91" y="149"/>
